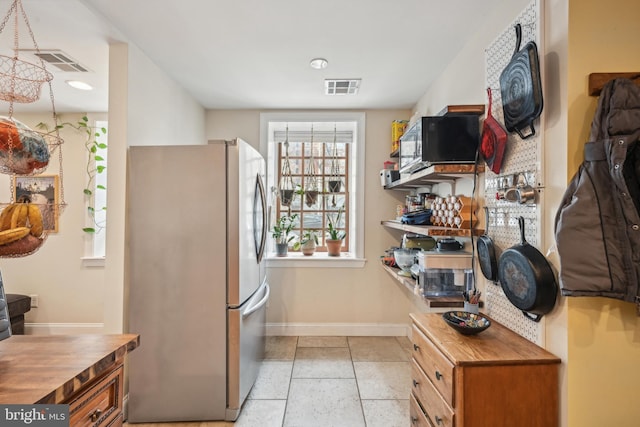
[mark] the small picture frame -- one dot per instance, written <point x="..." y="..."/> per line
<point x="42" y="190"/>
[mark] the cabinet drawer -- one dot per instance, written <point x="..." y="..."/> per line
<point x="416" y="416"/>
<point x="437" y="410"/>
<point x="100" y="404"/>
<point x="118" y="421"/>
<point x="437" y="367"/>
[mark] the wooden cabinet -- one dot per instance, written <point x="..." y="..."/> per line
<point x="83" y="371"/>
<point x="496" y="378"/>
<point x="101" y="404"/>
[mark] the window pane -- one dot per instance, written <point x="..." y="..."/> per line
<point x="313" y="166"/>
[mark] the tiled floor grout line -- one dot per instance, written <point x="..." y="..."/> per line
<point x="293" y="362"/>
<point x="355" y="376"/>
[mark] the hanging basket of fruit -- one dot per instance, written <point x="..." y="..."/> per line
<point x="21" y="229"/>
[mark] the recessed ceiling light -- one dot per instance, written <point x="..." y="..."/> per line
<point x="77" y="84"/>
<point x="319" y="63"/>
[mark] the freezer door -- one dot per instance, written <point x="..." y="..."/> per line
<point x="246" y="212"/>
<point x="246" y="343"/>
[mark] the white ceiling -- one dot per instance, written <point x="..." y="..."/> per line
<point x="255" y="53"/>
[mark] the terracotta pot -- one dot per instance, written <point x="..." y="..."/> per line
<point x="333" y="247"/>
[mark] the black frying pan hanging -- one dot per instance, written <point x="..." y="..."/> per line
<point x="487" y="252"/>
<point x="527" y="278"/>
<point x="521" y="88"/>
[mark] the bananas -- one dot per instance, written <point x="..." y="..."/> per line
<point x="20" y="216"/>
<point x="6" y="215"/>
<point x="35" y="220"/>
<point x="13" y="234"/>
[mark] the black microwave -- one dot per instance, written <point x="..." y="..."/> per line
<point x="452" y="138"/>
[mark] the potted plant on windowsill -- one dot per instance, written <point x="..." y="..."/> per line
<point x="335" y="236"/>
<point x="308" y="242"/>
<point x="281" y="232"/>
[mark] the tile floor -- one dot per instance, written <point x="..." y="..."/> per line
<point x="327" y="381"/>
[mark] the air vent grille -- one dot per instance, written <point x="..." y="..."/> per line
<point x="341" y="86"/>
<point x="58" y="59"/>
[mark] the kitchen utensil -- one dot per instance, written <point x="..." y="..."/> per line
<point x="466" y="323"/>
<point x="449" y="244"/>
<point x="527" y="278"/>
<point x="405" y="258"/>
<point x="417" y="218"/>
<point x="525" y="194"/>
<point x="418" y="241"/>
<point x="494" y="140"/>
<point x="487" y="252"/>
<point x="521" y="88"/>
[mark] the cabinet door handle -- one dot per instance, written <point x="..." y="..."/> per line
<point x="415" y="347"/>
<point x="415" y="383"/>
<point x="95" y="415"/>
<point x="438" y="420"/>
<point x="414" y="420"/>
<point x="438" y="375"/>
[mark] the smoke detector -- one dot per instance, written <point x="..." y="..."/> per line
<point x="341" y="86"/>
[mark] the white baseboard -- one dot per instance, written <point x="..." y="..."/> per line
<point x="339" y="329"/>
<point x="63" y="328"/>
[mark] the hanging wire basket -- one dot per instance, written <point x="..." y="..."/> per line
<point x="21" y="81"/>
<point x="26" y="152"/>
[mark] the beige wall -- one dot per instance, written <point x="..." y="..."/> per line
<point x="331" y="296"/>
<point x="68" y="293"/>
<point x="146" y="107"/>
<point x="603" y="334"/>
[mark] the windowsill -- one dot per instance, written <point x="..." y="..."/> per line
<point x="317" y="260"/>
<point x="93" y="262"/>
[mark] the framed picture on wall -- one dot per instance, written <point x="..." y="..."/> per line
<point x="42" y="190"/>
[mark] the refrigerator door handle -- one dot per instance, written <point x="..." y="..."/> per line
<point x="260" y="201"/>
<point x="254" y="307"/>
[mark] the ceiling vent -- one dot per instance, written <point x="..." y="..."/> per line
<point x="58" y="59"/>
<point x="341" y="86"/>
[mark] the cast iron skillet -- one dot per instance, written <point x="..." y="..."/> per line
<point x="521" y="88"/>
<point x="527" y="278"/>
<point x="487" y="252"/>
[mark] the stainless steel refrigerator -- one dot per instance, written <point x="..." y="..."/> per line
<point x="197" y="293"/>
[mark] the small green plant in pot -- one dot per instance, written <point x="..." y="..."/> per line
<point x="334" y="236"/>
<point x="308" y="243"/>
<point x="281" y="232"/>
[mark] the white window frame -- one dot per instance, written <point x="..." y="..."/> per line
<point x="355" y="257"/>
<point x="96" y="244"/>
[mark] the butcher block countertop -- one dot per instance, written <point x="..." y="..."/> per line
<point x="497" y="344"/>
<point x="52" y="368"/>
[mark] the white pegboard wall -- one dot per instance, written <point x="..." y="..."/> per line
<point x="522" y="156"/>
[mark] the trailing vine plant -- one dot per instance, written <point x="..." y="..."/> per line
<point x="96" y="164"/>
